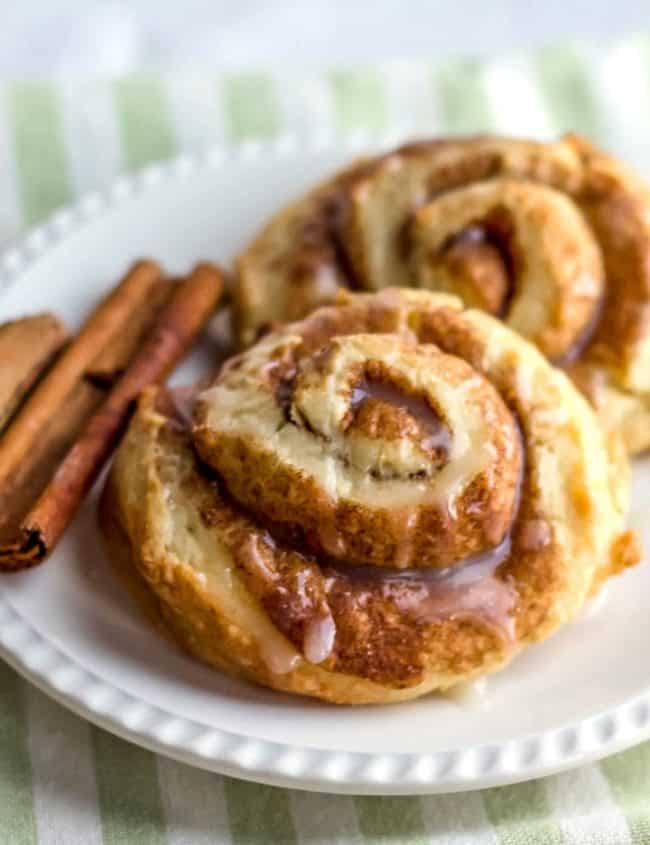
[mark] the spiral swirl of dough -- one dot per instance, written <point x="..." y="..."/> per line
<point x="388" y="497"/>
<point x="554" y="239"/>
<point x="374" y="448"/>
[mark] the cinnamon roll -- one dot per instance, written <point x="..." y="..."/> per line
<point x="554" y="239"/>
<point x="391" y="496"/>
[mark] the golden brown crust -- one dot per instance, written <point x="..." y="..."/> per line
<point x="552" y="238"/>
<point x="251" y="598"/>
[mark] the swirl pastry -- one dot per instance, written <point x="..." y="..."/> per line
<point x="554" y="239"/>
<point x="393" y="495"/>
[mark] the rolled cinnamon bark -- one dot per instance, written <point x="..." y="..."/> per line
<point x="103" y="326"/>
<point x="27" y="347"/>
<point x="29" y="480"/>
<point x="189" y="308"/>
<point x="114" y="358"/>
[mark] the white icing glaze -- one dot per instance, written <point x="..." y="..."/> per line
<point x="319" y="639"/>
<point x="404" y="522"/>
<point x="470" y="590"/>
<point x="487" y="599"/>
<point x="471" y="694"/>
<point x="535" y="534"/>
<point x="457" y="474"/>
<point x="595" y="605"/>
<point x="280" y="658"/>
<point x="220" y="329"/>
<point x="255" y="557"/>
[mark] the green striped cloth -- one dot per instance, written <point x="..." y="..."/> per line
<point x="65" y="782"/>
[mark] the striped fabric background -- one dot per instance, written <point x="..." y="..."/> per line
<point x="63" y="782"/>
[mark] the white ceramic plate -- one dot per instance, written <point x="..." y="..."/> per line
<point x="68" y="627"/>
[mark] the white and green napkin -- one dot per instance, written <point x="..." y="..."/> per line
<point x="64" y="782"/>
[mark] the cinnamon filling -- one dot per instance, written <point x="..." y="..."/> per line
<point x="284" y="393"/>
<point x="372" y="398"/>
<point x="322" y="263"/>
<point x="484" y="262"/>
<point x="335" y="211"/>
<point x="468" y="590"/>
<point x="583" y="339"/>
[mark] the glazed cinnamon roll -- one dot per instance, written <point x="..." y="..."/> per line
<point x="554" y="239"/>
<point x="386" y="498"/>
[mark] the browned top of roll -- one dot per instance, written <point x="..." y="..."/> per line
<point x="357" y="434"/>
<point x="552" y="238"/>
<point x="390" y="495"/>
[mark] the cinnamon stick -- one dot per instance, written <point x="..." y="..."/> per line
<point x="27" y="347"/>
<point x="178" y="325"/>
<point x="103" y="326"/>
<point x="45" y="455"/>
<point x="122" y="320"/>
<point x="111" y="362"/>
